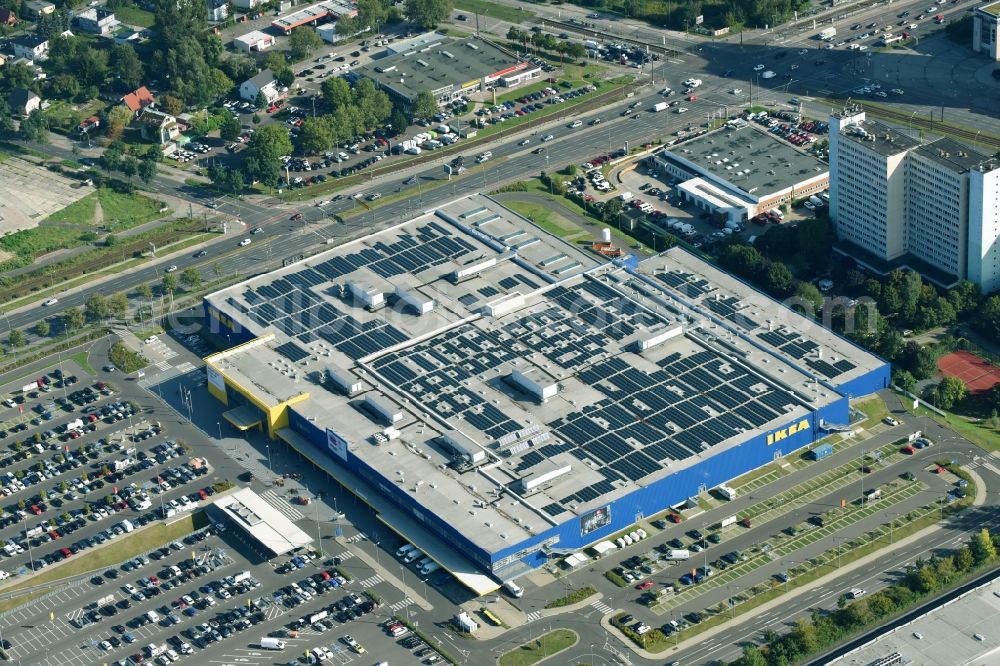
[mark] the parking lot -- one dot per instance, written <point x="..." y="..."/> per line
<point x="83" y="467"/>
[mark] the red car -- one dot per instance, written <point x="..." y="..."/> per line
<point x="644" y="585"/>
<point x="66" y="552"/>
<point x="674" y="517"/>
<point x="35" y="509"/>
<point x="908" y="450"/>
<point x="202" y="494"/>
<point x="692" y="98"/>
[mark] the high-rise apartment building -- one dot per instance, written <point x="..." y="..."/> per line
<point x="986" y="30"/>
<point x="896" y="202"/>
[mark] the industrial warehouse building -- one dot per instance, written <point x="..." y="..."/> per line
<point x="447" y="68"/>
<point x="500" y="396"/>
<point x="740" y="171"/>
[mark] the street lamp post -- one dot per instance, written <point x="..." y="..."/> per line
<point x="269" y="470"/>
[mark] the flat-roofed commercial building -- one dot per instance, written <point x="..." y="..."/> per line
<point x="500" y="396"/>
<point x="448" y="69"/>
<point x="313" y="14"/>
<point x="740" y="171"/>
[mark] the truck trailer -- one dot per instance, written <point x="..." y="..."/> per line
<point x="826" y="34"/>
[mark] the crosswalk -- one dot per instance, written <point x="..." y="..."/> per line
<point x="400" y="605"/>
<point x="346" y="555"/>
<point x="532" y="616"/>
<point x="163" y="365"/>
<point x="185" y="367"/>
<point x="282" y="505"/>
<point x="371" y="581"/>
<point x="602" y="607"/>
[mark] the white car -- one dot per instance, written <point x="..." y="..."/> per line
<point x="524" y="142"/>
<point x="245" y="242"/>
<point x="547" y="137"/>
<point x="50" y="302"/>
<point x="737" y="91"/>
<point x="803" y="51"/>
<point x="171" y="268"/>
<point x="681" y="109"/>
<point x="575" y="124"/>
<point x="758" y="68"/>
<point x="897" y="91"/>
<point x="151" y="339"/>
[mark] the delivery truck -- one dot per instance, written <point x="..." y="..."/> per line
<point x="659" y="106"/>
<point x="269" y="643"/>
<point x="826" y="34"/>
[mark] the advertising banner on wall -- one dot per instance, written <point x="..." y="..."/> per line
<point x="336" y="444"/>
<point x="595" y="520"/>
<point x="216" y="379"/>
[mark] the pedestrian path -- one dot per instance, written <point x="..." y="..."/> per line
<point x="282" y="505"/>
<point x="602" y="607"/>
<point x="400" y="605"/>
<point x="532" y="616"/>
<point x="371" y="581"/>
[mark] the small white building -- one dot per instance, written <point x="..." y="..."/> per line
<point x="262" y="84"/>
<point x="253" y="41"/>
<point x="218" y="10"/>
<point x="247" y="4"/>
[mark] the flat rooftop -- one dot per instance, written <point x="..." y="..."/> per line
<point x="947" y="635"/>
<point x="878" y="137"/>
<point x="952" y="155"/>
<point x="317" y="12"/>
<point x="993" y="9"/>
<point x="468" y="353"/>
<point x="438" y="64"/>
<point x="251" y="513"/>
<point x="749" y="159"/>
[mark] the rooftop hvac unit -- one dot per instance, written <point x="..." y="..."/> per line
<point x="383" y="408"/>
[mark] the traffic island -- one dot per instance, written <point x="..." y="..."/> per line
<point x="545" y="646"/>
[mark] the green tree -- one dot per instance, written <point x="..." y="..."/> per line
<point x="234" y="181"/>
<point x="982" y="547"/>
<point x="909" y="291"/>
<point x="372" y="14"/>
<point x="64" y="86"/>
<point x="128" y="67"/>
<point x="72" y="319"/>
<point x="172" y="105"/>
<point x="17" y="338"/>
<point x="260" y="162"/>
<point x="96" y="307"/>
<point x="347" y="26"/>
<point x="397" y="120"/>
<point x="315" y="136"/>
<point x="778" y="279"/>
<point x="964" y="559"/>
<point x="42" y="329"/>
<point x="425" y="106"/>
<point x="612" y="208"/>
<point x="988" y="320"/>
<point x="303" y="41"/>
<point x="144" y="290"/>
<point x="229" y="128"/>
<point x="949" y="392"/>
<point x="743" y="260"/>
<point x="752" y="656"/>
<point x="129" y="167"/>
<point x="428" y="13"/>
<point x="35" y="127"/>
<point x="169" y="283"/>
<point x="118" y="304"/>
<point x="147" y="170"/>
<point x="811" y="298"/>
<point x="191" y="278"/>
<point x="337" y="92"/>
<point x="118" y="119"/>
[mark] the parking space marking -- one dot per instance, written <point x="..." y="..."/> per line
<point x="282" y="505"/>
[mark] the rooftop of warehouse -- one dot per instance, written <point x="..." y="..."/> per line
<point x="750" y="159"/>
<point x="439" y="64"/>
<point x="636" y="384"/>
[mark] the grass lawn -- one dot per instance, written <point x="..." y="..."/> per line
<point x="493" y="10"/>
<point x="552" y="222"/>
<point x="80" y="211"/>
<point x="980" y="434"/>
<point x="875" y="408"/>
<point x="83" y="361"/>
<point x="545" y="646"/>
<point x="124" y="211"/>
<point x="132" y="15"/>
<point x="61" y="114"/>
<point x="126" y="547"/>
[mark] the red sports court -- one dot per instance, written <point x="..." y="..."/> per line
<point x="977" y="374"/>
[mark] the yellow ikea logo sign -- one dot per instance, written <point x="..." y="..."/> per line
<point x="779" y="435"/>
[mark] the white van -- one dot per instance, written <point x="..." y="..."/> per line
<point x="514" y="589"/>
<point x="405" y="549"/>
<point x="429" y="568"/>
<point x="152" y="616"/>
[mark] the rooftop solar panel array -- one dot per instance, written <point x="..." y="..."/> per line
<point x="291" y="305"/>
<point x="688" y="405"/>
<point x="687" y="284"/>
<point x="691" y="404"/>
<point x="731" y="309"/>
